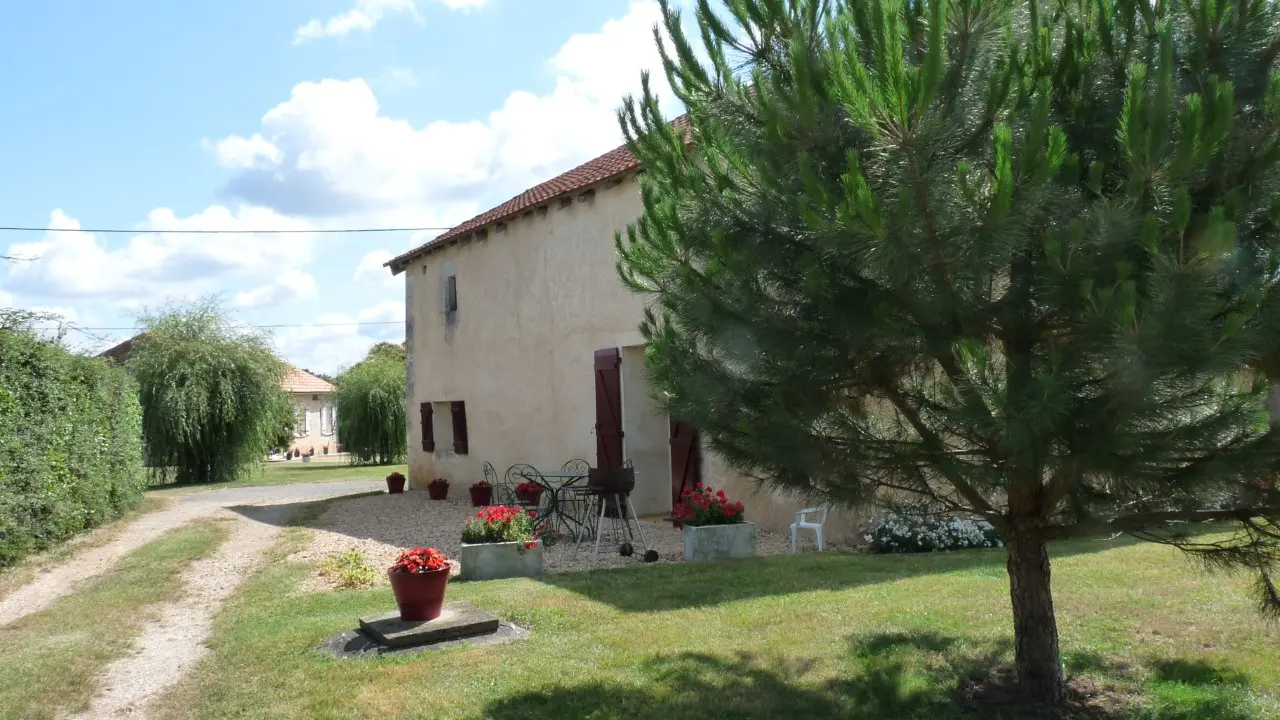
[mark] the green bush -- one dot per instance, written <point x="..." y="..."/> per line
<point x="70" y="442"/>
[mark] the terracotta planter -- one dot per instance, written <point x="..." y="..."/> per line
<point x="529" y="497"/>
<point x="395" y="484"/>
<point x="481" y="496"/>
<point x="420" y="596"/>
<point x="438" y="492"/>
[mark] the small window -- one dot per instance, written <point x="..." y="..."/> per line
<point x="451" y="294"/>
<point x="444" y="426"/>
<point x="300" y="428"/>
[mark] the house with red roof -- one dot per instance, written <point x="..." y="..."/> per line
<point x="523" y="347"/>
<point x="315" y="425"/>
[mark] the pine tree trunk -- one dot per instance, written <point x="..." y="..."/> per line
<point x="1035" y="630"/>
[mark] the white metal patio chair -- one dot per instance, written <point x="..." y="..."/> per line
<point x="804" y="523"/>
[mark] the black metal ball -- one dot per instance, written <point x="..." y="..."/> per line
<point x="625" y="550"/>
<point x="650" y="556"/>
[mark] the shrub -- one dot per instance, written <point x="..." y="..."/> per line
<point x="70" y="441"/>
<point x="894" y="533"/>
<point x="705" y="506"/>
<point x="500" y="524"/>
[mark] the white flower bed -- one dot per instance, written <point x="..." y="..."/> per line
<point x="893" y="533"/>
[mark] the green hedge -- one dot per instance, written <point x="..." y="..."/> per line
<point x="70" y="443"/>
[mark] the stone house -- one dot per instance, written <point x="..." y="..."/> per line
<point x="314" y="413"/>
<point x="523" y="347"/>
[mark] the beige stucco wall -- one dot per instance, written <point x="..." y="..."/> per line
<point x="534" y="303"/>
<point x="314" y="437"/>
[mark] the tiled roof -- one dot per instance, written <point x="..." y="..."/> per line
<point x="612" y="164"/>
<point x="120" y="352"/>
<point x="300" y="381"/>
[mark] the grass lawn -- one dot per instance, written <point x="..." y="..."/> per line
<point x="22" y="573"/>
<point x="832" y="635"/>
<point x="49" y="658"/>
<point x="291" y="472"/>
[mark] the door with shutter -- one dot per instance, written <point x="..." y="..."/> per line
<point x="686" y="460"/>
<point x="608" y="371"/>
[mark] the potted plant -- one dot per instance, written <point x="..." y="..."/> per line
<point x="529" y="492"/>
<point x="438" y="489"/>
<point x="499" y="542"/>
<point x="306" y="457"/>
<point x="481" y="494"/>
<point x="713" y="527"/>
<point x="326" y="449"/>
<point x="419" y="579"/>
<point x="395" y="483"/>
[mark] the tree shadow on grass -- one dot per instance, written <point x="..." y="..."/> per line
<point x="653" y="588"/>
<point x="698" y="685"/>
<point x="887" y="676"/>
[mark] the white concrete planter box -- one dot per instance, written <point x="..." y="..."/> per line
<point x="306" y="458"/>
<point x="493" y="561"/>
<point x="718" y="542"/>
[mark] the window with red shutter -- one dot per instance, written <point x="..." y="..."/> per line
<point x="428" y="428"/>
<point x="458" y="410"/>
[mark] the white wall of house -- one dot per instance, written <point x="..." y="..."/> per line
<point x="315" y="423"/>
<point x="534" y="302"/>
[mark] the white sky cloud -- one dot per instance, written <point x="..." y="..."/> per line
<point x="330" y="151"/>
<point x="151" y="267"/>
<point x="370" y="270"/>
<point x="367" y="14"/>
<point x="335" y="340"/>
<point x="291" y="285"/>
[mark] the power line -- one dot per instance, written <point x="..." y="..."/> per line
<point x="73" y="326"/>
<point x="322" y="231"/>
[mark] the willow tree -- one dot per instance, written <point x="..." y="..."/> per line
<point x="210" y="392"/>
<point x="372" y="424"/>
<point x="1005" y="260"/>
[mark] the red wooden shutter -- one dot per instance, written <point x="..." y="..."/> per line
<point x="686" y="460"/>
<point x="428" y="428"/>
<point x="458" y="409"/>
<point x="608" y="409"/>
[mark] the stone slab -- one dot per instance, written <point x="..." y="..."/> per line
<point x="356" y="645"/>
<point x="459" y="619"/>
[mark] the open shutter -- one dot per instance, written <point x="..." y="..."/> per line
<point x="608" y="364"/>
<point x="686" y="460"/>
<point x="458" y="409"/>
<point x="428" y="428"/>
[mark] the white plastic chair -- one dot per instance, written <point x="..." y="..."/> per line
<point x="804" y="523"/>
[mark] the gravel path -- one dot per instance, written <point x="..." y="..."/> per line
<point x="47" y="587"/>
<point x="173" y="643"/>
<point x="380" y="526"/>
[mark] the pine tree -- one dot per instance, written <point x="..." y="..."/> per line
<point x="1015" y="261"/>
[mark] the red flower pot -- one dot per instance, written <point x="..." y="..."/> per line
<point x="420" y="596"/>
<point x="481" y="496"/>
<point x="395" y="484"/>
<point x="529" y="497"/>
<point x="438" y="492"/>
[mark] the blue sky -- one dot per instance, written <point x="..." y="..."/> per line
<point x="289" y="114"/>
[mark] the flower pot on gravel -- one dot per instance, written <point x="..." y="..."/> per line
<point x="481" y="495"/>
<point x="713" y="526"/>
<point x="709" y="543"/>
<point x="438" y="489"/>
<point x="499" y="542"/>
<point x="494" y="561"/>
<point x="395" y="483"/>
<point x="419" y="580"/>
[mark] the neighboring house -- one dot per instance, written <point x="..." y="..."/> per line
<point x="315" y="419"/>
<point x="523" y="347"/>
<point x="315" y="416"/>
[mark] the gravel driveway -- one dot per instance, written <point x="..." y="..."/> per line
<point x="380" y="526"/>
